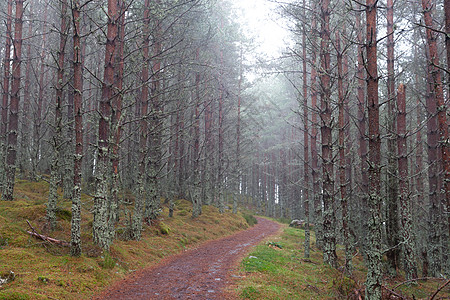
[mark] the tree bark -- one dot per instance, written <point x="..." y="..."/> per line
<point x="14" y="104"/>
<point x="5" y="93"/>
<point x="37" y="147"/>
<point x="195" y="195"/>
<point x="392" y="226"/>
<point x="305" y="193"/>
<point x="75" y="243"/>
<point x="57" y="137"/>
<point x="329" y="218"/>
<point x="407" y="232"/>
<point x="314" y="132"/>
<point x="113" y="206"/>
<point x="362" y="149"/>
<point x="343" y="180"/>
<point x="156" y="126"/>
<point x="136" y="225"/>
<point x="438" y="97"/>
<point x="102" y="197"/>
<point x="374" y="252"/>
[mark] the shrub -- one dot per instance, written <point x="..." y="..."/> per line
<point x="251" y="220"/>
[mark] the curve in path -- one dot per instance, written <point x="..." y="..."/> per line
<point x="200" y="273"/>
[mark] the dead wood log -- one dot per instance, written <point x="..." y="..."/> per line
<point x="46" y="238"/>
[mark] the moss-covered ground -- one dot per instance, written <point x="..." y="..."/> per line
<point x="46" y="271"/>
<point x="277" y="269"/>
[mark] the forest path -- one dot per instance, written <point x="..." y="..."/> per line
<point x="199" y="273"/>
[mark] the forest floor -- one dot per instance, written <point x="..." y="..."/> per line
<point x="46" y="271"/>
<point x="200" y="273"/>
<point x="210" y="249"/>
<point x="278" y="269"/>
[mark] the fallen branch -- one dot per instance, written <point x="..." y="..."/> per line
<point x="415" y="279"/>
<point x="439" y="289"/>
<point x="46" y="238"/>
<point x="391" y="292"/>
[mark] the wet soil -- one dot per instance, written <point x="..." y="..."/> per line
<point x="200" y="273"/>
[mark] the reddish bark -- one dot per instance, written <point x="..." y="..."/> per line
<point x="14" y="103"/>
<point x="438" y="92"/>
<point x="118" y="85"/>
<point x="374" y="273"/>
<point x="117" y="109"/>
<point x="433" y="252"/>
<point x="447" y="30"/>
<point x="100" y="225"/>
<point x="6" y="76"/>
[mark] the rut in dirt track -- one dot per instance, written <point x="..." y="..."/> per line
<point x="200" y="273"/>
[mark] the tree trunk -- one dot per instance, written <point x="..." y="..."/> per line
<point x="305" y="193"/>
<point x="407" y="232"/>
<point x="220" y="138"/>
<point x="195" y="195"/>
<point x="57" y="137"/>
<point x="75" y="243"/>
<point x="438" y="97"/>
<point x="25" y="137"/>
<point x="5" y="94"/>
<point x="237" y="187"/>
<point x="314" y="132"/>
<point x="14" y="104"/>
<point x="156" y="127"/>
<point x="329" y="218"/>
<point x="374" y="252"/>
<point x="113" y="205"/>
<point x="392" y="226"/>
<point x="136" y="225"/>
<point x="362" y="149"/>
<point x="37" y="147"/>
<point x="102" y="197"/>
<point x="343" y="180"/>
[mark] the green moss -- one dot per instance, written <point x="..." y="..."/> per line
<point x="250" y="292"/>
<point x="164" y="229"/>
<point x="183" y="213"/>
<point x="107" y="261"/>
<point x="64" y="214"/>
<point x="13" y="295"/>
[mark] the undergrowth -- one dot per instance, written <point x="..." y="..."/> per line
<point x="277" y="269"/>
<point x="45" y="271"/>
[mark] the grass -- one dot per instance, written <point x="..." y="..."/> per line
<point x="276" y="269"/>
<point x="45" y="271"/>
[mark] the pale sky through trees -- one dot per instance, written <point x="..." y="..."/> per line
<point x="260" y="21"/>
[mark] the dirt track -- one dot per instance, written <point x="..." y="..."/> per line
<point x="200" y="273"/>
